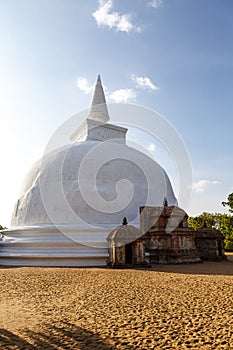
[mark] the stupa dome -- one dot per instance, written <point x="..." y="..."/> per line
<point x="96" y="180"/>
<point x="77" y="194"/>
<point x="68" y="186"/>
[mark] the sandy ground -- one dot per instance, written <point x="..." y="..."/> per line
<point x="167" y="307"/>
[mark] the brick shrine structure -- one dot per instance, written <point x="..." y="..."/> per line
<point x="209" y="242"/>
<point x="164" y="238"/>
<point x="167" y="239"/>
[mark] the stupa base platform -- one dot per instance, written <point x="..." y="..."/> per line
<point x="53" y="246"/>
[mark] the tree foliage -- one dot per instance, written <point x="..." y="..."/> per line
<point x="229" y="203"/>
<point x="222" y="222"/>
<point x="200" y="220"/>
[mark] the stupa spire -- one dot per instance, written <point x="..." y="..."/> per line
<point x="98" y="108"/>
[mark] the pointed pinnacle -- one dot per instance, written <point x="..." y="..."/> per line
<point x="98" y="109"/>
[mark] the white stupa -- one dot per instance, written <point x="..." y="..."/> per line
<point x="77" y="194"/>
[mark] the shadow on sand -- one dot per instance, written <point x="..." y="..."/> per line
<point x="224" y="268"/>
<point x="66" y="336"/>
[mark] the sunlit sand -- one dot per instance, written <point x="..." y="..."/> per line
<point x="167" y="307"/>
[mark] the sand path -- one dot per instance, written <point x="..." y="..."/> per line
<point x="168" y="307"/>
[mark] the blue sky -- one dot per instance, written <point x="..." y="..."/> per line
<point x="172" y="56"/>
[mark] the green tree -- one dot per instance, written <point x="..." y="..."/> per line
<point x="200" y="220"/>
<point x="224" y="223"/>
<point x="229" y="203"/>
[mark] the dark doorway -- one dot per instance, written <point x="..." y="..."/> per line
<point x="220" y="248"/>
<point x="129" y="253"/>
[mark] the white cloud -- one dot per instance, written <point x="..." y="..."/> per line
<point x="112" y="19"/>
<point x="122" y="95"/>
<point x="144" y="82"/>
<point x="201" y="185"/>
<point x="84" y="85"/>
<point x="155" y="3"/>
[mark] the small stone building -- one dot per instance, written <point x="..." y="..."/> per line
<point x="209" y="243"/>
<point x="126" y="246"/>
